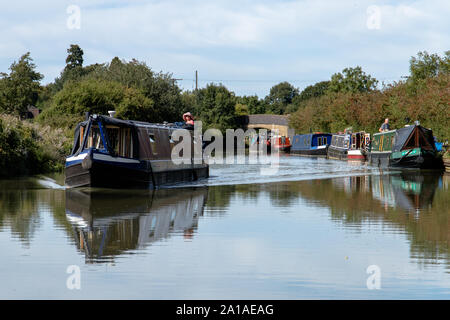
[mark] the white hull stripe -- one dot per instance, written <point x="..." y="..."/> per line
<point x="105" y="157"/>
<point x="355" y="152"/>
<point x="78" y="157"/>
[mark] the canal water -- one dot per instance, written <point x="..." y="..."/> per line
<point x="310" y="229"/>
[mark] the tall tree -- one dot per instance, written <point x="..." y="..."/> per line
<point x="75" y="57"/>
<point x="20" y="88"/>
<point x="313" y="91"/>
<point x="73" y="70"/>
<point x="215" y="106"/>
<point x="352" y="80"/>
<point x="280" y="96"/>
<point x="428" y="65"/>
<point x="253" y="103"/>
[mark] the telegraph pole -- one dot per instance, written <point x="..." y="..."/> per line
<point x="196" y="80"/>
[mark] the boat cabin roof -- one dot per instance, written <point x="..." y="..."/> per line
<point x="405" y="138"/>
<point x="130" y="123"/>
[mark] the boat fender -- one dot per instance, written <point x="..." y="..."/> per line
<point x="87" y="162"/>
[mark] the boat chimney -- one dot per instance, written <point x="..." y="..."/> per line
<point x="112" y="113"/>
<point x="87" y="115"/>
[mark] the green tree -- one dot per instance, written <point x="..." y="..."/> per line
<point x="428" y="65"/>
<point x="313" y="91"/>
<point x="215" y="106"/>
<point x="20" y="88"/>
<point x="280" y="96"/>
<point x="253" y="103"/>
<point x="73" y="70"/>
<point x="352" y="80"/>
<point x="74" y="58"/>
<point x="160" y="87"/>
<point x="241" y="109"/>
<point x="136" y="106"/>
<point x="98" y="96"/>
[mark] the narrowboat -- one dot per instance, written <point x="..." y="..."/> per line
<point x="280" y="143"/>
<point x="339" y="146"/>
<point x="359" y="144"/>
<point x="270" y="143"/>
<point x="113" y="153"/>
<point x="409" y="147"/>
<point x="349" y="146"/>
<point x="313" y="144"/>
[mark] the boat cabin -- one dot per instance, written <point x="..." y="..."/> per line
<point x="313" y="144"/>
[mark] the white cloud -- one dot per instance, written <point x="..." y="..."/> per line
<point x="229" y="39"/>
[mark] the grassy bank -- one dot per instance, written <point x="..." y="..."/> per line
<point x="29" y="148"/>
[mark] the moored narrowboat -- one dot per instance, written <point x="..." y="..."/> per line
<point x="280" y="143"/>
<point x="359" y="144"/>
<point x="112" y="153"/>
<point x="409" y="147"/>
<point x="340" y="144"/>
<point x="349" y="146"/>
<point x="313" y="144"/>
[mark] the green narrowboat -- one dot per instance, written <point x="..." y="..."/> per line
<point x="409" y="147"/>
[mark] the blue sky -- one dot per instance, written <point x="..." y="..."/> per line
<point x="247" y="45"/>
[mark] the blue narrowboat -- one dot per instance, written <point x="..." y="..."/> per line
<point x="313" y="144"/>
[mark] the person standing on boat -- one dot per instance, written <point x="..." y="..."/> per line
<point x="385" y="125"/>
<point x="188" y="118"/>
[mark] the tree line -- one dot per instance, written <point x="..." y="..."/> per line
<point x="350" y="98"/>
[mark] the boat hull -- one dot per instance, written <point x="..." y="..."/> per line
<point x="318" y="152"/>
<point x="101" y="174"/>
<point x="419" y="160"/>
<point x="337" y="153"/>
<point x="282" y="148"/>
<point x="356" y="155"/>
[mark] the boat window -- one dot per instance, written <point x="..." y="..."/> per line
<point x="376" y="143"/>
<point x="121" y="141"/>
<point x="152" y="138"/>
<point x="81" y="135"/>
<point x="95" y="138"/>
<point x="319" y="141"/>
<point x="346" y="142"/>
<point x="113" y="138"/>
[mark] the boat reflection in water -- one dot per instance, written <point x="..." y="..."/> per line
<point x="410" y="192"/>
<point x="109" y="223"/>
<point x="406" y="191"/>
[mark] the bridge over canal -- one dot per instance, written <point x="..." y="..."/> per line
<point x="268" y="121"/>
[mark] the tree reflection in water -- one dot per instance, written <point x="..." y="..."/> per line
<point x="417" y="203"/>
